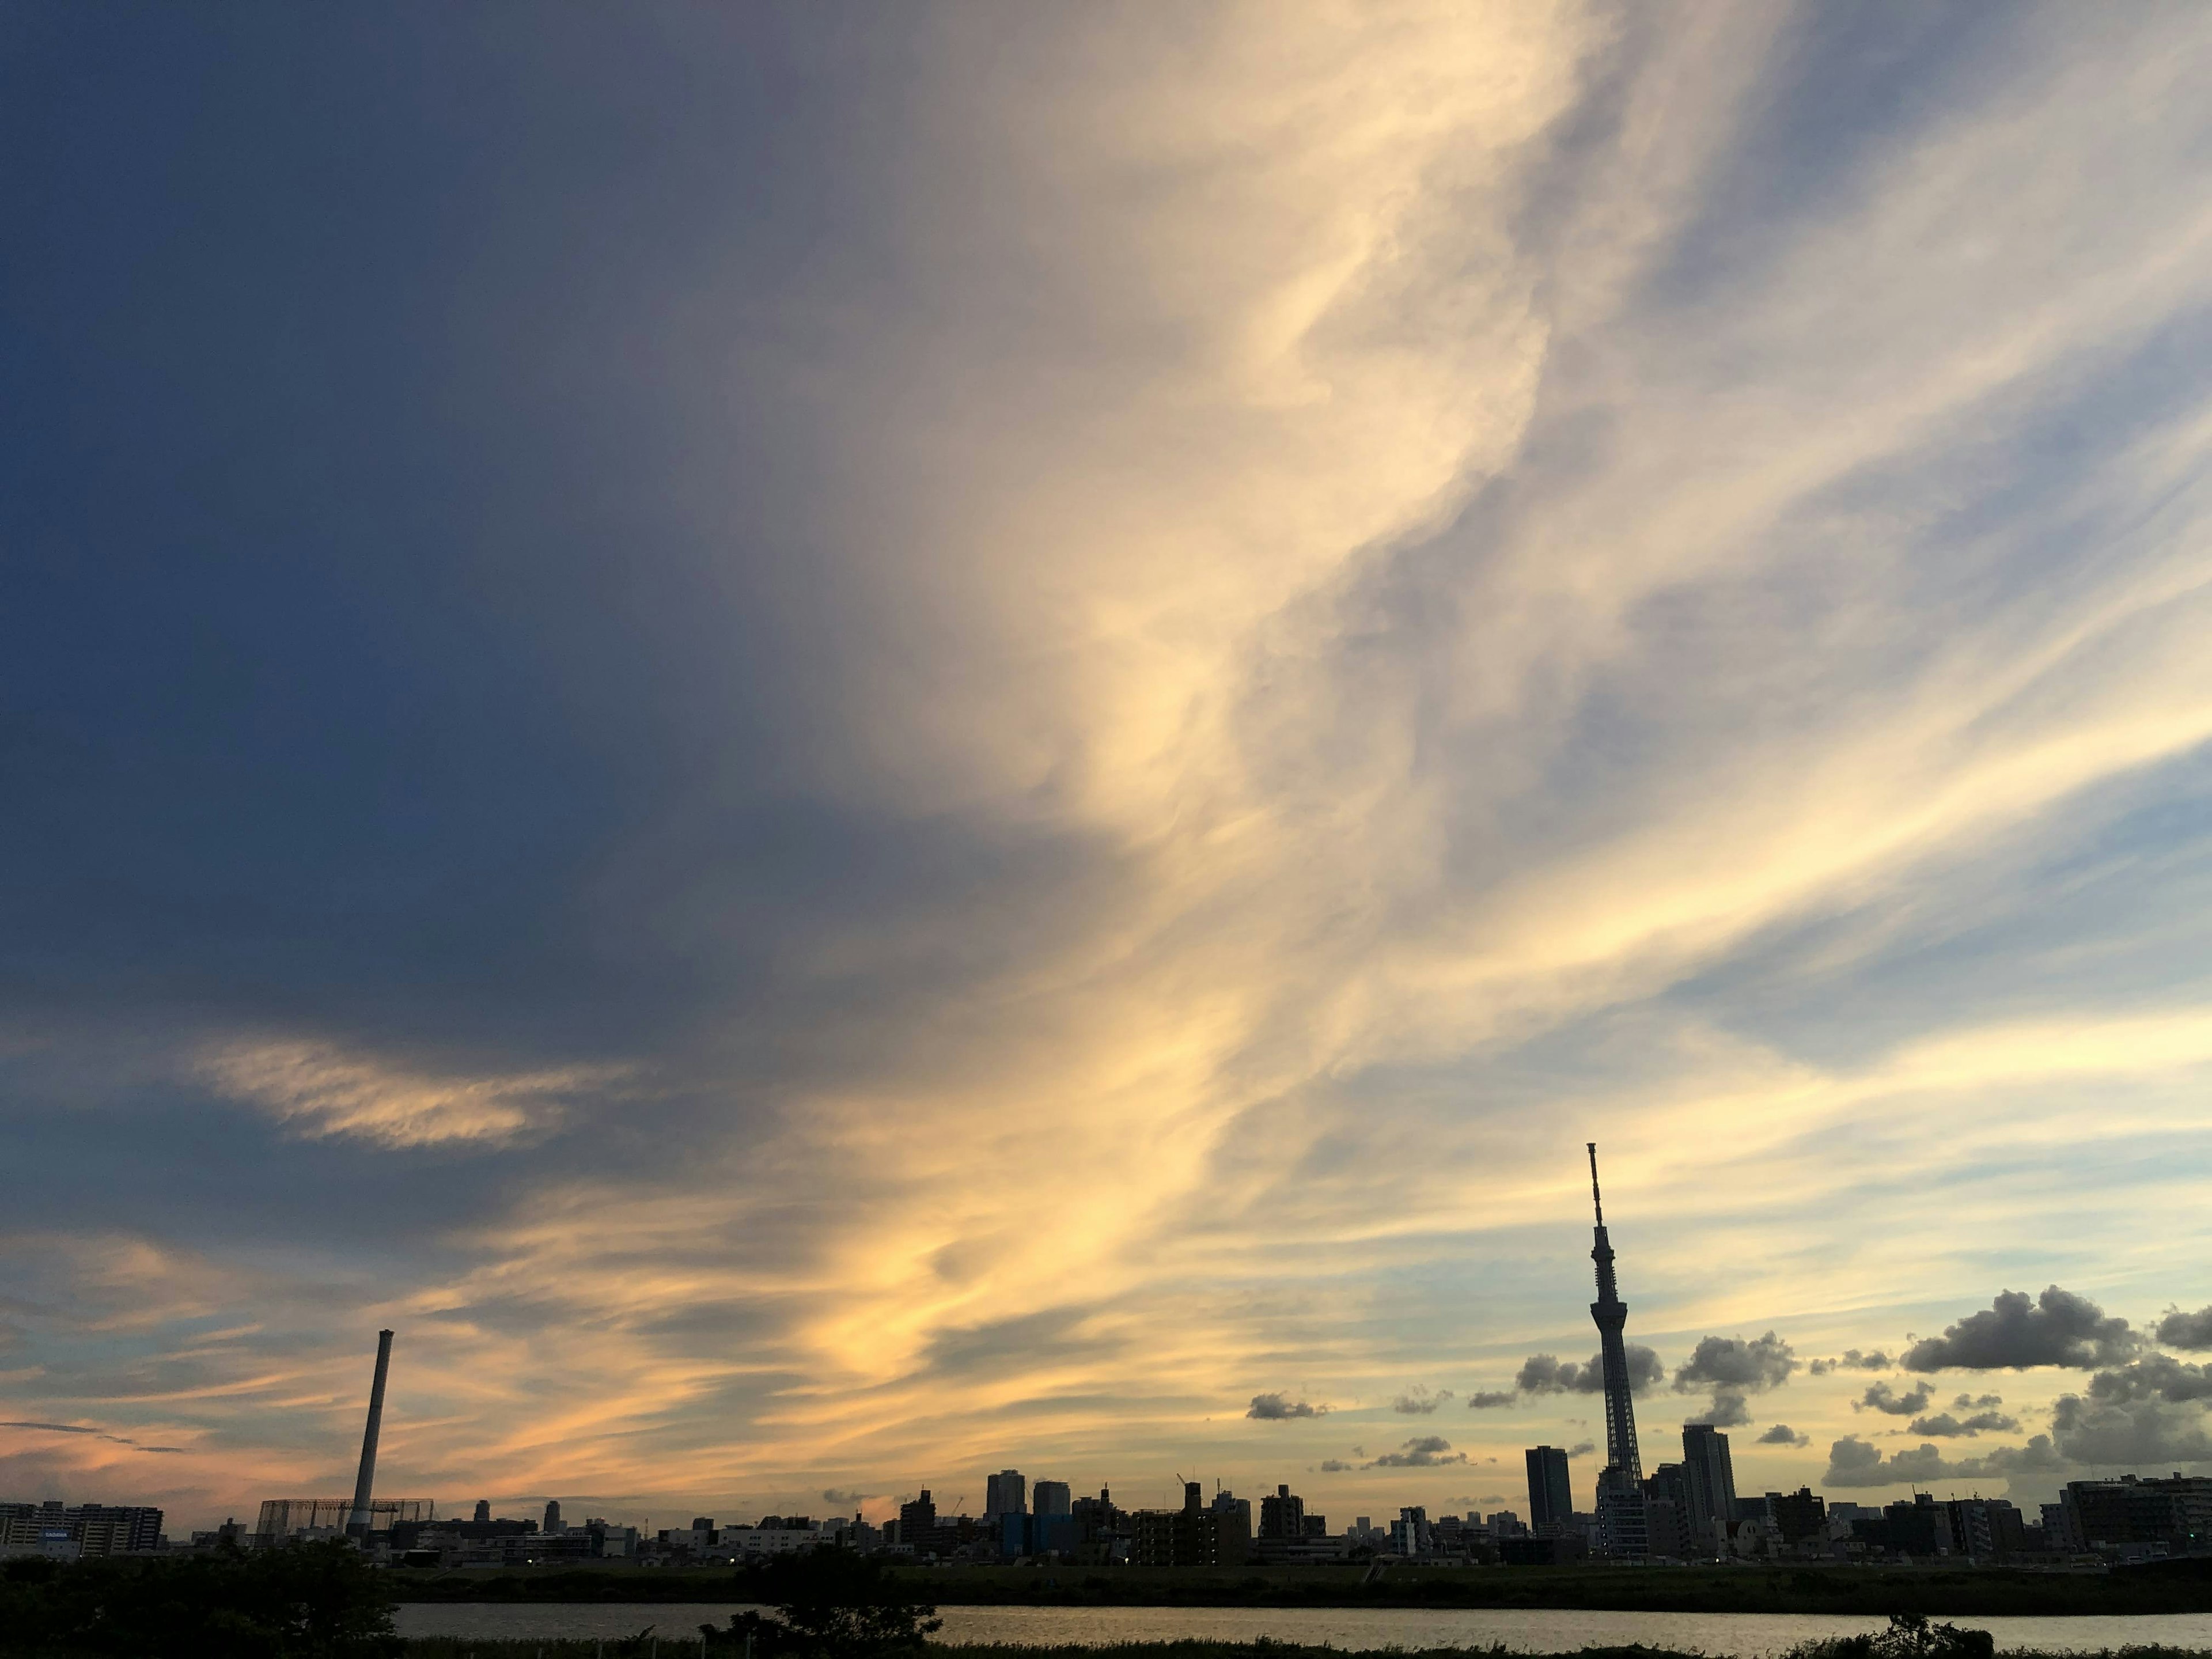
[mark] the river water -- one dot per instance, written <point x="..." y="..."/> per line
<point x="1736" y="1635"/>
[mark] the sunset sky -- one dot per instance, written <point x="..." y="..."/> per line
<point x="848" y="744"/>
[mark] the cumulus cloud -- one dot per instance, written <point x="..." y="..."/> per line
<point x="2179" y="1329"/>
<point x="2134" y="1430"/>
<point x="1582" y="1449"/>
<point x="1853" y="1360"/>
<point x="2157" y="1375"/>
<point x="1731" y="1367"/>
<point x="1880" y="1397"/>
<point x="1945" y="1426"/>
<point x="2016" y="1333"/>
<point x="1855" y="1463"/>
<point x="1546" y="1374"/>
<point x="1276" y="1408"/>
<point x="1425" y="1451"/>
<point x="1420" y="1400"/>
<point x="1729" y="1410"/>
<point x="1764" y="1362"/>
<point x="1781" y="1434"/>
<point x="1335" y="1465"/>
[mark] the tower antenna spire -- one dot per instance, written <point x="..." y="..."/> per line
<point x="1596" y="1202"/>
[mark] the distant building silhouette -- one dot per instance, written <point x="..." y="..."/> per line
<point x="1193" y="1536"/>
<point x="484" y="1509"/>
<point x="1712" y="1479"/>
<point x="1004" y="1493"/>
<point x="552" y="1516"/>
<point x="1670" y="1516"/>
<point x="1550" y="1495"/>
<point x="1050" y="1498"/>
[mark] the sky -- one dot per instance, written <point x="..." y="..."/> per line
<point x="851" y="745"/>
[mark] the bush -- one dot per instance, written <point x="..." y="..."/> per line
<point x="1910" y="1635"/>
<point x="307" y="1602"/>
<point x="830" y="1604"/>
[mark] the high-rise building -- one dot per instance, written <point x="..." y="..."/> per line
<point x="1550" y="1498"/>
<point x="1282" y="1516"/>
<point x="1623" y="1527"/>
<point x="1050" y="1498"/>
<point x="1667" y="1503"/>
<point x="1005" y="1493"/>
<point x="1193" y="1536"/>
<point x="484" y="1509"/>
<point x="552" y="1516"/>
<point x="1712" y="1480"/>
<point x="1802" y="1514"/>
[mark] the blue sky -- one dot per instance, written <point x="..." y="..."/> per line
<point x="850" y="744"/>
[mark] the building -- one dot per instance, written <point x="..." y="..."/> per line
<point x="1506" y="1524"/>
<point x="1282" y="1516"/>
<point x="552" y="1523"/>
<point x="1411" y="1535"/>
<point x="1985" y="1527"/>
<point x="1623" y="1527"/>
<point x="1050" y="1498"/>
<point x="1667" y="1510"/>
<point x="1800" y="1514"/>
<point x="69" y="1531"/>
<point x="1004" y="1493"/>
<point x="1550" y="1495"/>
<point x="2134" y="1514"/>
<point x="1711" y="1477"/>
<point x="285" y="1518"/>
<point x="1193" y="1536"/>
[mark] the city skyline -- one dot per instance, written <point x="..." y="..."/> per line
<point x="848" y="747"/>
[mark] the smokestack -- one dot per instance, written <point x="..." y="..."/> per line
<point x="357" y="1523"/>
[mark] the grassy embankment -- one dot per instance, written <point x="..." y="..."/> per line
<point x="462" y="1648"/>
<point x="1948" y="1592"/>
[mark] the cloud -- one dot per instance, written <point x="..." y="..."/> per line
<point x="1582" y="1449"/>
<point x="844" y="1496"/>
<point x="1419" y="1401"/>
<point x="1946" y="1426"/>
<point x="1730" y="1362"/>
<point x="321" y="1089"/>
<point x="1853" y="1463"/>
<point x="1781" y="1434"/>
<point x="1969" y="1402"/>
<point x="1731" y="1368"/>
<point x="2155" y="1376"/>
<point x="1426" y="1451"/>
<point x="2138" y="1431"/>
<point x="1880" y="1397"/>
<point x="1729" y="1410"/>
<point x="1276" y="1408"/>
<point x="2178" y="1329"/>
<point x="1545" y="1374"/>
<point x="1853" y="1360"/>
<point x="1335" y="1465"/>
<point x="2057" y="1328"/>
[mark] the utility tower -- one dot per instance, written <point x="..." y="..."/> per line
<point x="1623" y="1524"/>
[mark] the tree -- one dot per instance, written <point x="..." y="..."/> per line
<point x="830" y="1604"/>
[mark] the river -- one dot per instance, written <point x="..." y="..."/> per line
<point x="1735" y="1635"/>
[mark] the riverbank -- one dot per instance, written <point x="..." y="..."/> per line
<point x="1941" y="1591"/>
<point x="649" y="1647"/>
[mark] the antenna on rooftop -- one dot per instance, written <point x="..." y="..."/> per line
<point x="1596" y="1202"/>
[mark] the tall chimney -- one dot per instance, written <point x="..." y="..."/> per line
<point x="357" y="1523"/>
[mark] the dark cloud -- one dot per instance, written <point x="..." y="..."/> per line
<point x="1426" y="1451"/>
<point x="52" y="1428"/>
<point x="1853" y="1360"/>
<point x="1730" y="1362"/>
<point x="2178" y="1329"/>
<point x="1880" y="1397"/>
<point x="2129" y="1433"/>
<point x="1729" y="1411"/>
<point x="1782" y="1434"/>
<point x="1544" y="1373"/>
<point x="1277" y="1408"/>
<point x="2014" y="1334"/>
<point x="1419" y="1401"/>
<point x="1944" y="1427"/>
<point x="1335" y="1465"/>
<point x="2154" y="1377"/>
<point x="1582" y="1449"/>
<point x="1975" y="1403"/>
<point x="839" y="1495"/>
<point x="1854" y="1463"/>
